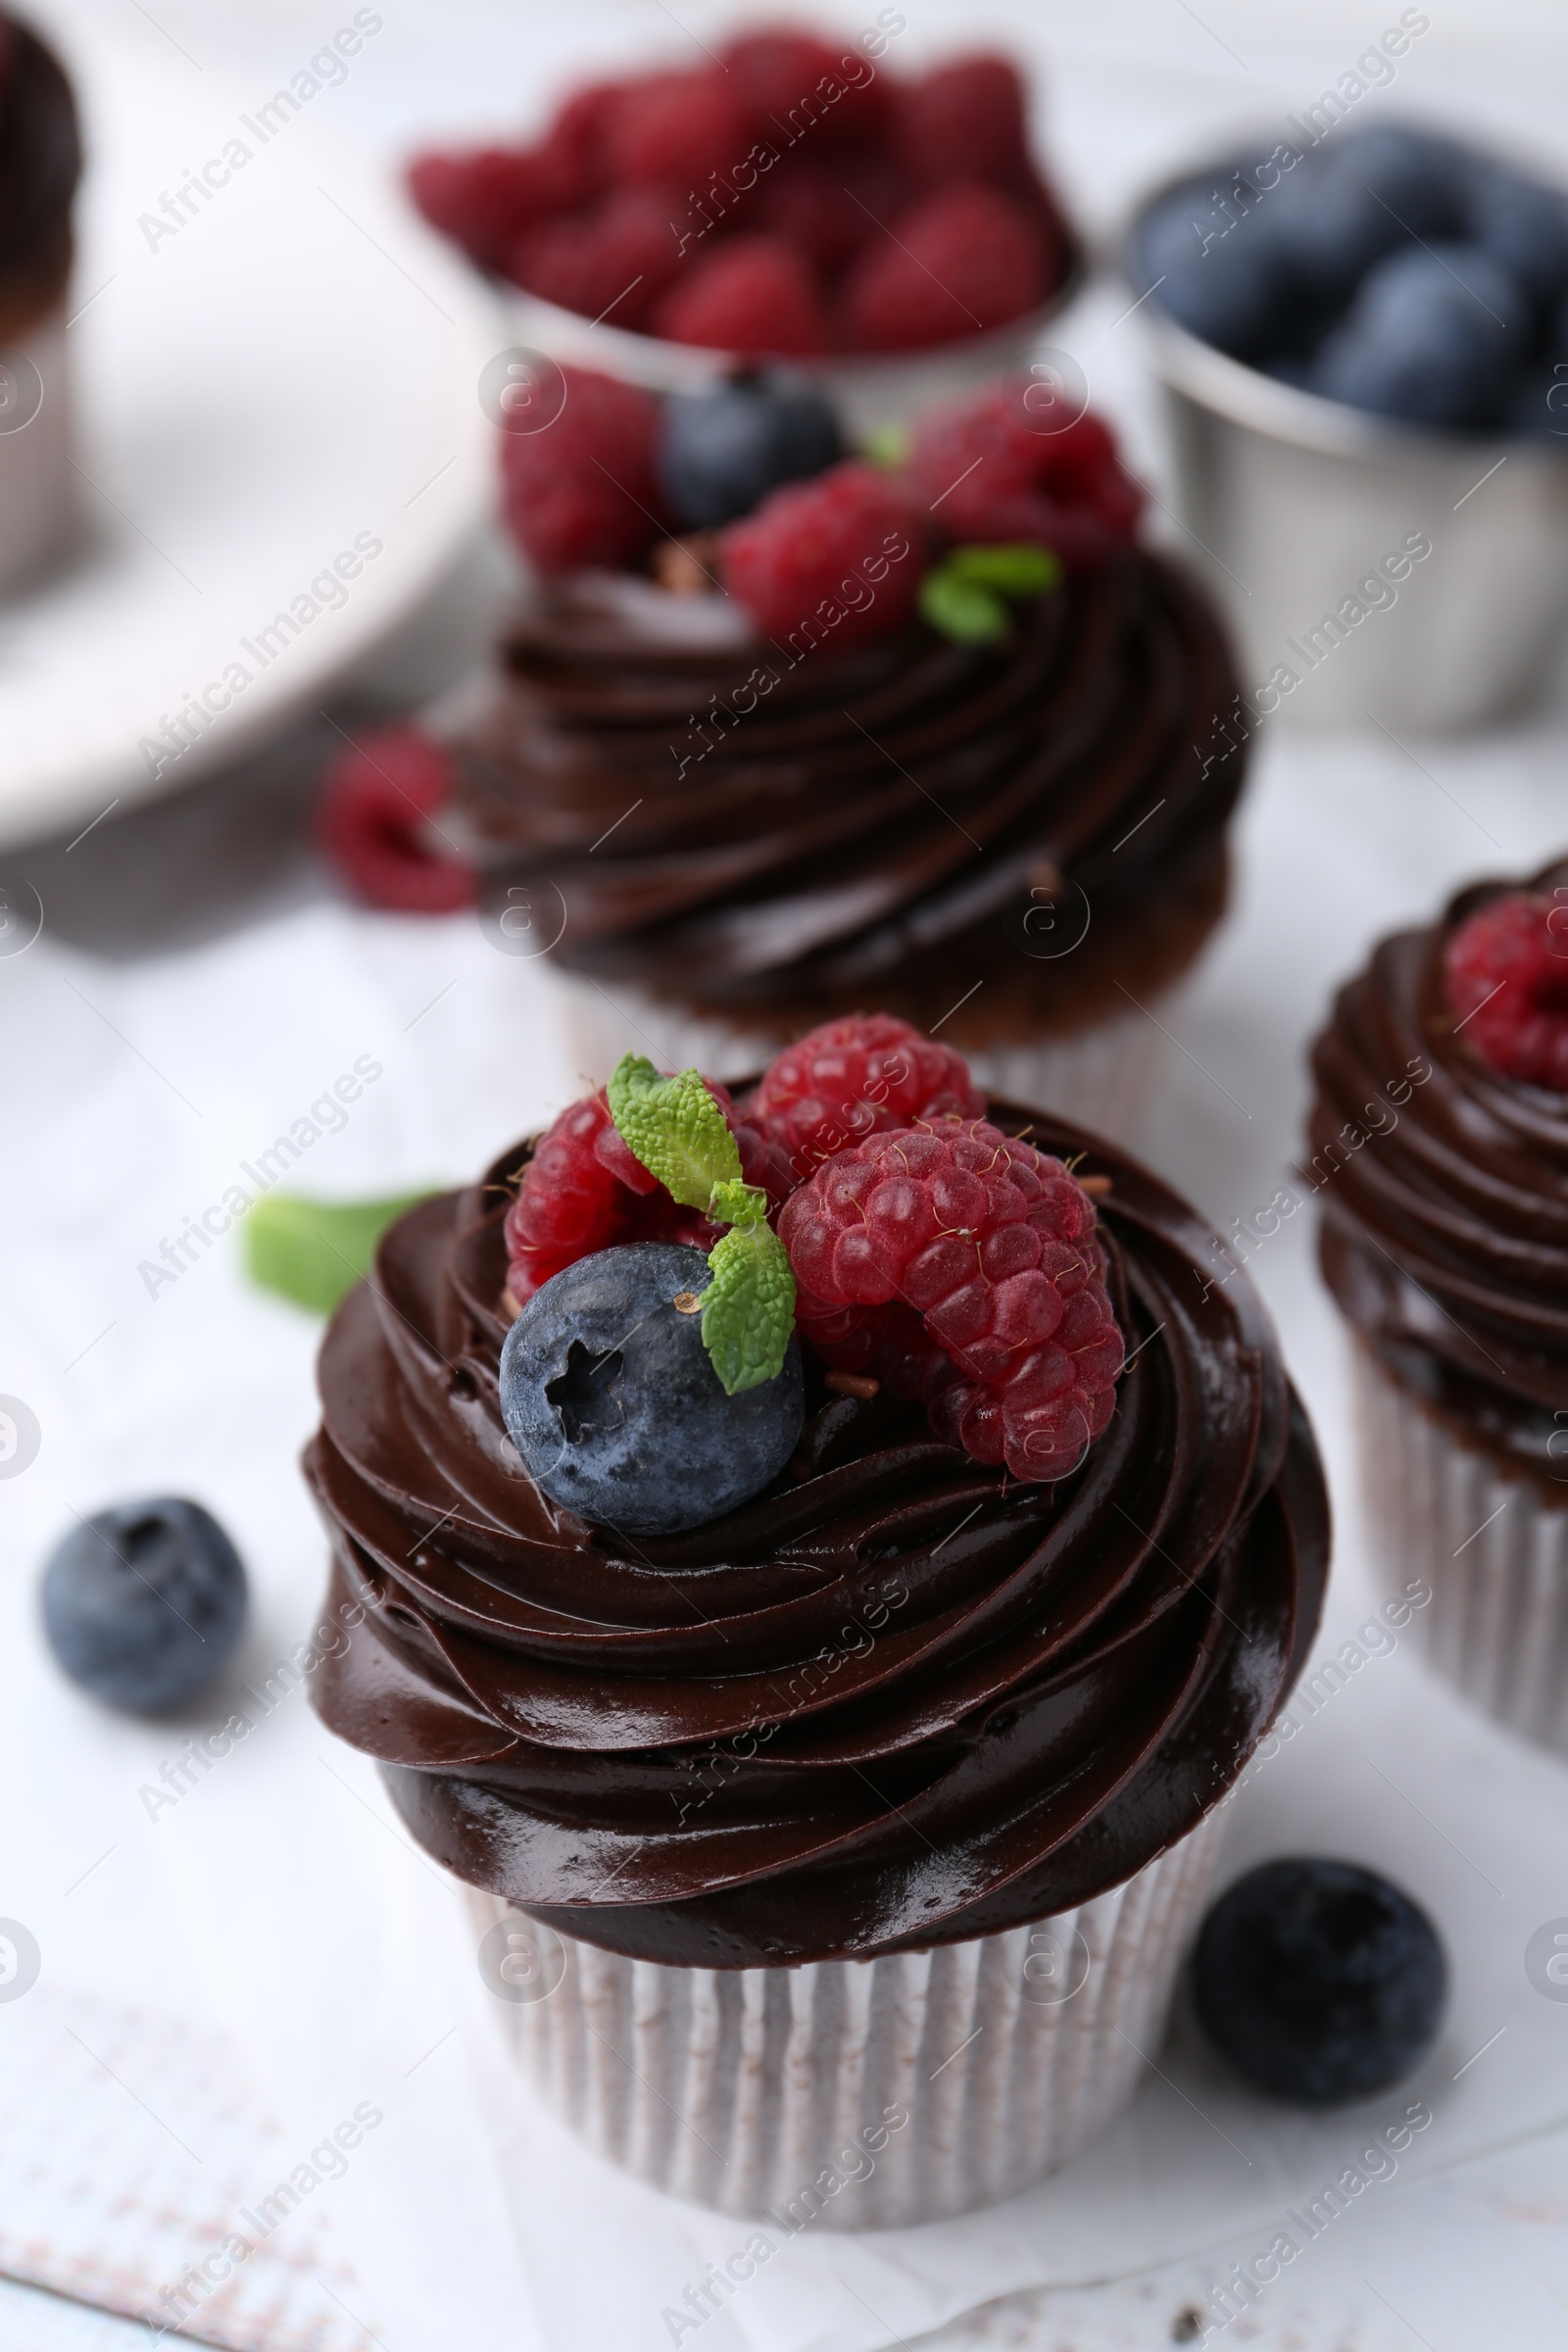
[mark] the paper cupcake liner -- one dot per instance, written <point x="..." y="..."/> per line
<point x="1492" y="1548"/>
<point x="1102" y="1078"/>
<point x="853" y="2095"/>
<point x="35" y="474"/>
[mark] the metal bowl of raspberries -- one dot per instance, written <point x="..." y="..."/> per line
<point x="1364" y="347"/>
<point x="798" y="199"/>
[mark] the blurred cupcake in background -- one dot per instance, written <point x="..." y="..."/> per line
<point x="784" y="732"/>
<point x="40" y="163"/>
<point x="795" y="198"/>
<point x="1439" y="1149"/>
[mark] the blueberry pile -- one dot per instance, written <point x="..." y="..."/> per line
<point x="1391" y="268"/>
<point x="1319" y="1980"/>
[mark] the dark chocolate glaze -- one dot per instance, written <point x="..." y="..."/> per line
<point x="1445" y="1236"/>
<point x="896" y="1700"/>
<point x="867" y="812"/>
<point x="41" y="162"/>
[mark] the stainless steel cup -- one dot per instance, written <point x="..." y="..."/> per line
<point x="1370" y="568"/>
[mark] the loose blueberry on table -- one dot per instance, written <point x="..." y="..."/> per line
<point x="1320" y="1982"/>
<point x="665" y="1244"/>
<point x="144" y="1602"/>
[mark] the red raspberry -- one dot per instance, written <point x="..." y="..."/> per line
<point x="578" y="140"/>
<point x="370" y="823"/>
<point x="830" y="209"/>
<point x="990" y="1245"/>
<point x="485" y="200"/>
<point x="859" y="1077"/>
<point x="1506" y="973"/>
<point x="991" y="480"/>
<point x="610" y="263"/>
<point x="786" y="83"/>
<point x="964" y="259"/>
<point x="755" y="295"/>
<point x="674" y="128"/>
<point x="583" y="490"/>
<point x="583" y="1191"/>
<point x="827" y="553"/>
<point x="965" y="121"/>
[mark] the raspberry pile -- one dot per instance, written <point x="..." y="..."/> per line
<point x="960" y="1269"/>
<point x="1507" y="975"/>
<point x="966" y="259"/>
<point x="370" y="823"/>
<point x="792" y="198"/>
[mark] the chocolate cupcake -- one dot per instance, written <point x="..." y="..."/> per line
<point x="868" y="1817"/>
<point x="1440" y="1154"/>
<point x="941" y="736"/>
<point x="40" y="163"/>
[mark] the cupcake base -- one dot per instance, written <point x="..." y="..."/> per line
<point x="1102" y="1078"/>
<point x="854" y="2094"/>
<point x="35" y="480"/>
<point x="1491" y="1545"/>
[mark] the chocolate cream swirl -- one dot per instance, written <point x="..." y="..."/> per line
<point x="743" y="821"/>
<point x="40" y="163"/>
<point x="896" y="1700"/>
<point x="1444" y="1194"/>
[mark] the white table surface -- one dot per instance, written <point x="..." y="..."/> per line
<point x="186" y="951"/>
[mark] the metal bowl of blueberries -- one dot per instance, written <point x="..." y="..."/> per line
<point x="1364" y="347"/>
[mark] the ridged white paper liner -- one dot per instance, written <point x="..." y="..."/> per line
<point x="1493" y="1551"/>
<point x="856" y="2095"/>
<point x="1101" y="1079"/>
<point x="35" y="476"/>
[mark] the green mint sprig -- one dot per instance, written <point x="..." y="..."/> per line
<point x="678" y="1131"/>
<point x="314" y="1251"/>
<point x="965" y="597"/>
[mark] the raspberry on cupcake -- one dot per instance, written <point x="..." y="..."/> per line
<point x="1439" y="1144"/>
<point x="786" y="1692"/>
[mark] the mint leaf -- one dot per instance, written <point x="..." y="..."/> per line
<point x="676" y="1128"/>
<point x="962" y="598"/>
<point x="736" y="1202"/>
<point x="959" y="610"/>
<point x="749" y="1307"/>
<point x="887" y="445"/>
<point x="1019" y="569"/>
<point x="314" y="1251"/>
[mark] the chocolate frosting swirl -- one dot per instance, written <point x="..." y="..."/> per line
<point x="738" y="821"/>
<point x="1445" y="1198"/>
<point x="40" y="163"/>
<point x="894" y="1701"/>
